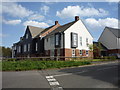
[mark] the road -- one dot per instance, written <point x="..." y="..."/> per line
<point x="92" y="76"/>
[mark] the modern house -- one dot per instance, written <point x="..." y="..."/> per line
<point x="69" y="40"/>
<point x="110" y="38"/>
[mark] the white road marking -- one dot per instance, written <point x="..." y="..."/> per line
<point x="51" y="80"/>
<point x="49" y="77"/>
<point x="54" y="83"/>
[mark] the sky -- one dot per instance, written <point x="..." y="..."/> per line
<point x="17" y="15"/>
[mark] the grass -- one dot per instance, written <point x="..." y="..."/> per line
<point x="38" y="65"/>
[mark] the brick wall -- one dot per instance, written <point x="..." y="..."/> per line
<point x="50" y="30"/>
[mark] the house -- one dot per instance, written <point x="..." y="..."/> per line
<point x="110" y="38"/>
<point x="31" y="45"/>
<point x="69" y="40"/>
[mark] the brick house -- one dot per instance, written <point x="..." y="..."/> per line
<point x="110" y="39"/>
<point x="69" y="40"/>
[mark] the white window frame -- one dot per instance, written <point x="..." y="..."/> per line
<point x="36" y="46"/>
<point x="87" y="52"/>
<point x="27" y="36"/>
<point x="57" y="39"/>
<point x="58" y="52"/>
<point x="87" y="42"/>
<point x="28" y="47"/>
<point x="80" y="41"/>
<point x="73" y="54"/>
<point x="25" y="48"/>
<point x="81" y="52"/>
<point x="19" y="49"/>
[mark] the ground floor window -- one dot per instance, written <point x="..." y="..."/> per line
<point x="80" y="52"/>
<point x="58" y="52"/>
<point x="87" y="52"/>
<point x="73" y="52"/>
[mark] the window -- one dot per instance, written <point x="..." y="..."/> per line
<point x="19" y="49"/>
<point x="25" y="47"/>
<point x="80" y="52"/>
<point x="52" y="52"/>
<point x="36" y="46"/>
<point x="57" y="39"/>
<point x="28" y="47"/>
<point x="80" y="41"/>
<point x="86" y="52"/>
<point x="87" y="42"/>
<point x="58" y="52"/>
<point x="73" y="52"/>
<point x="74" y="40"/>
<point x="47" y="39"/>
<point x="26" y="36"/>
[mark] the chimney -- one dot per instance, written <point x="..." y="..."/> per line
<point x="76" y="18"/>
<point x="56" y="22"/>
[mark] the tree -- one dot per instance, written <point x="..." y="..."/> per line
<point x="91" y="47"/>
<point x="97" y="48"/>
<point x="6" y="52"/>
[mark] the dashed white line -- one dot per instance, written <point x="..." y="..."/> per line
<point x="54" y="83"/>
<point x="51" y="80"/>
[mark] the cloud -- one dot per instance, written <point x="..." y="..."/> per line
<point x="12" y="22"/>
<point x="35" y="23"/>
<point x="112" y="0"/>
<point x="71" y="11"/>
<point x="94" y="24"/>
<point x="45" y="9"/>
<point x="36" y="17"/>
<point x="15" y="10"/>
<point x="3" y="35"/>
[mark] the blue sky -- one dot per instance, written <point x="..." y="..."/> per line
<point x="16" y="16"/>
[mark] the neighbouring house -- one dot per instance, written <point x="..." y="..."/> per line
<point x="69" y="40"/>
<point x="110" y="39"/>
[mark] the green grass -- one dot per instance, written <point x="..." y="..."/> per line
<point x="38" y="65"/>
<point x="0" y="65"/>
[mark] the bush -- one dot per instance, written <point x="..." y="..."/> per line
<point x="38" y="65"/>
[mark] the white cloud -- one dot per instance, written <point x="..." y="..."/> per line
<point x="71" y="11"/>
<point x="36" y="17"/>
<point x="112" y="0"/>
<point x="45" y="9"/>
<point x="3" y="35"/>
<point x="15" y="10"/>
<point x="11" y="22"/>
<point x="101" y="23"/>
<point x="35" y="23"/>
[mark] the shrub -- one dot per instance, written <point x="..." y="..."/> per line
<point x="38" y="65"/>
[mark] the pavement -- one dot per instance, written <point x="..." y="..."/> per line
<point x="104" y="75"/>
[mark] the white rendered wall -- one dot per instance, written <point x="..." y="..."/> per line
<point x="82" y="31"/>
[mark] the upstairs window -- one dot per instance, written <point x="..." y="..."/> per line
<point x="57" y="40"/>
<point x="36" y="46"/>
<point x="28" y="47"/>
<point x="87" y="44"/>
<point x="19" y="49"/>
<point x="26" y="36"/>
<point x="80" y="41"/>
<point x="25" y="48"/>
<point x="74" y="40"/>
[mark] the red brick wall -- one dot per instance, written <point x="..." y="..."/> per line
<point x="50" y="30"/>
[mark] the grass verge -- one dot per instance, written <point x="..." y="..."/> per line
<point x="38" y="65"/>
